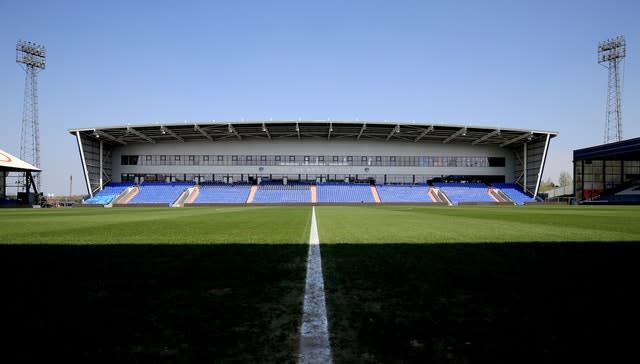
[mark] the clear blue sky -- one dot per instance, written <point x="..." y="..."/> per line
<point x="489" y="63"/>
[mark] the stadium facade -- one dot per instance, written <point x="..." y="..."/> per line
<point x="312" y="151"/>
<point x="608" y="173"/>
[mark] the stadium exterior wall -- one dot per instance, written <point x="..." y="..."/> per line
<point x="312" y="148"/>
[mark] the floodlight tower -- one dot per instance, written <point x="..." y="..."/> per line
<point x="31" y="57"/>
<point x="610" y="54"/>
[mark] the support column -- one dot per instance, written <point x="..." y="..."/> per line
<point x="101" y="164"/>
<point x="525" y="167"/>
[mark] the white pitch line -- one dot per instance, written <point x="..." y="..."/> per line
<point x="314" y="331"/>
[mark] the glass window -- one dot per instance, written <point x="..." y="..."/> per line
<point x="277" y="158"/>
<point x="306" y="158"/>
<point x="263" y="158"/>
<point x="363" y="158"/>
<point x="350" y="159"/>
<point x="392" y="159"/>
<point x="249" y="158"/>
<point x="335" y="158"/>
<point x="205" y="158"/>
<point x="163" y="157"/>
<point x="220" y="158"/>
<point x="321" y="158"/>
<point x="149" y="158"/>
<point x="378" y="158"/>
<point x="192" y="158"/>
<point x="234" y="158"/>
<point x="177" y="157"/>
<point x="292" y="158"/>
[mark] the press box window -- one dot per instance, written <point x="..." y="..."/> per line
<point x="129" y="160"/>
<point x="496" y="162"/>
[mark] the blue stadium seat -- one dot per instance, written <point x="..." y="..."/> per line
<point x="160" y="192"/>
<point x="458" y="192"/>
<point x="110" y="191"/>
<point x="514" y="192"/>
<point x="404" y="193"/>
<point x="235" y="193"/>
<point x="345" y="192"/>
<point x="279" y="193"/>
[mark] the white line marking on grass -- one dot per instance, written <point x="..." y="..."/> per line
<point x="314" y="331"/>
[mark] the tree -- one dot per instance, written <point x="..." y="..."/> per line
<point x="547" y="185"/>
<point x="565" y="179"/>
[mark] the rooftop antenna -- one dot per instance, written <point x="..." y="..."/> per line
<point x="610" y="54"/>
<point x="31" y="57"/>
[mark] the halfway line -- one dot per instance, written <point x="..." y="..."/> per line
<point x="314" y="331"/>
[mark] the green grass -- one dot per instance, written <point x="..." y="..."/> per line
<point x="191" y="285"/>
<point x="419" y="224"/>
<point x="482" y="303"/>
<point x="156" y="225"/>
<point x="217" y="303"/>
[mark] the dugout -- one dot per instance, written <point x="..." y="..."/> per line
<point x="10" y="163"/>
<point x="606" y="170"/>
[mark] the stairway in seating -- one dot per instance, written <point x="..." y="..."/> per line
<point x="374" y="192"/>
<point x="314" y="193"/>
<point x="252" y="193"/>
<point x="126" y="195"/>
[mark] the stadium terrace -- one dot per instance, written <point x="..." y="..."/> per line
<point x="310" y="162"/>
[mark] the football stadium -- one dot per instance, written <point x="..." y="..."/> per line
<point x="310" y="162"/>
<point x="312" y="222"/>
<point x="315" y="242"/>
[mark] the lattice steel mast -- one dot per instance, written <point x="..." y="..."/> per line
<point x="610" y="54"/>
<point x="31" y="57"/>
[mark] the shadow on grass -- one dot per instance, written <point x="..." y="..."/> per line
<point x="151" y="303"/>
<point x="482" y="303"/>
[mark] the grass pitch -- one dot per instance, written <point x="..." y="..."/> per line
<point x="403" y="284"/>
<point x="476" y="224"/>
<point x="157" y="225"/>
<point x="197" y="285"/>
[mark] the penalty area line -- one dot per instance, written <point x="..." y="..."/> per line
<point x="314" y="331"/>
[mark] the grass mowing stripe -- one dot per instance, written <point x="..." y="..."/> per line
<point x="418" y="224"/>
<point x="157" y="225"/>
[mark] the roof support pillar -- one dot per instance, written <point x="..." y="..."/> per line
<point x="84" y="163"/>
<point x="101" y="169"/>
<point x="525" y="167"/>
<point x="542" y="163"/>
